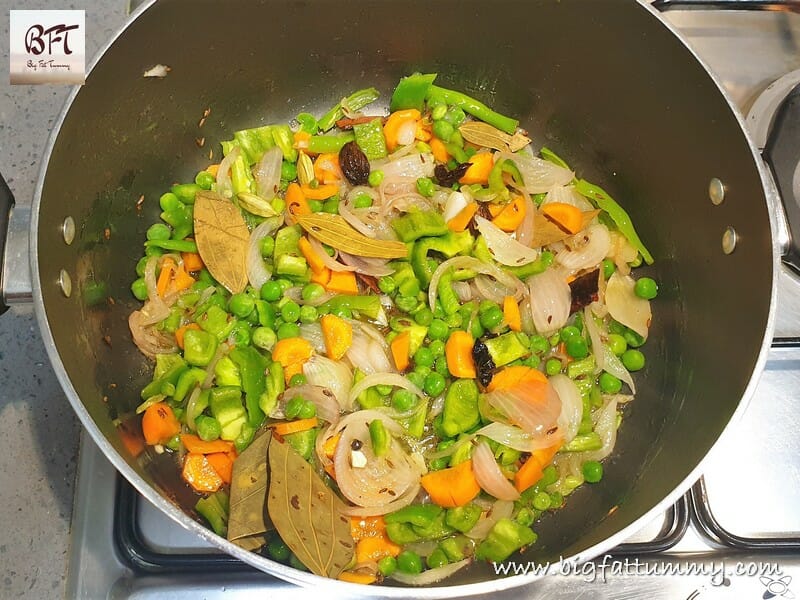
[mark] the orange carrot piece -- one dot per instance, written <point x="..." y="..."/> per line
<point x="439" y="151"/>
<point x="364" y="527"/>
<point x="199" y="473"/>
<point x="480" y="166"/>
<point x="301" y="140"/>
<point x="511" y="313"/>
<point x="338" y="336"/>
<point x="159" y="424"/>
<point x="180" y="332"/>
<point x="343" y="282"/>
<point x="354" y="577"/>
<point x="495" y="208"/>
<point x="566" y="216"/>
<point x="194" y="444"/>
<point x="213" y="169"/>
<point x="327" y="168"/>
<point x="401" y="348"/>
<point x="312" y="258"/>
<point x="321" y="192"/>
<point x="512" y="214"/>
<point x="287" y="427"/>
<point x="181" y="280"/>
<point x="192" y="261"/>
<point x="461" y="221"/>
<point x="398" y="119"/>
<point x="321" y="277"/>
<point x="222" y="463"/>
<point x="296" y="202"/>
<point x="510" y="377"/>
<point x="452" y="487"/>
<point x="372" y="549"/>
<point x="458" y="351"/>
<point x="292" y="353"/>
<point x="531" y="471"/>
<point x="165" y="276"/>
<point x="329" y="447"/>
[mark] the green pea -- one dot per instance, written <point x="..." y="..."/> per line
<point x="577" y="347"/>
<point x="556" y="500"/>
<point x="404" y="400"/>
<point x="288" y="170"/>
<point x="552" y="366"/>
<point x="592" y="471"/>
<point x="307" y="411"/>
<point x="296" y="563"/>
<point x="362" y="201"/>
<point x="437" y="558"/>
<point x="169" y="202"/>
<point x="532" y="361"/>
<point x="278" y="550"/>
<point x="308" y="314"/>
<point x="288" y="330"/>
<point x="424" y="316"/>
<point x="418" y="379"/>
<point x="141" y="266"/>
<point x="240" y="334"/>
<point x="454" y="321"/>
<point x="290" y="312"/>
<point x="315" y="205"/>
<point x="539" y="344"/>
<point x="443" y="130"/>
<point x="278" y="204"/>
<point x="297" y="379"/>
<point x="438" y="330"/>
<point x="633" y="360"/>
<point x="554" y="340"/>
<point x="633" y="339"/>
<point x="284" y="283"/>
<point x="204" y="179"/>
<point x="264" y="338"/>
<point x="422" y="370"/>
<point x="541" y="501"/>
<point x="267" y="247"/>
<point x="437" y="348"/>
<point x="434" y="384"/>
<point x="271" y="290"/>
<point x="406" y="303"/>
<point x="646" y="288"/>
<point x="609" y="384"/>
<point x="568" y="332"/>
<point x="375" y="178"/>
<point x="608" y="267"/>
<point x="617" y="344"/>
<point x="409" y="562"/>
<point x="423" y="357"/>
<point x="437" y="464"/>
<point x="387" y="284"/>
<point x="441" y="366"/>
<point x="425" y="186"/>
<point x="387" y="565"/>
<point x="476" y="329"/>
<point x="491" y="318"/>
<point x="241" y="305"/>
<point x="525" y="517"/>
<point x="158" y="231"/>
<point x="438" y="112"/>
<point x="312" y="291"/>
<point x="139" y="289"/>
<point x="293" y="407"/>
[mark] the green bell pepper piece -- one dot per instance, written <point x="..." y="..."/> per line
<point x="434" y="530"/>
<point x="463" y="518"/>
<point x="401" y="533"/>
<point x="354" y="103"/>
<point x="217" y="322"/>
<point x="252" y="143"/>
<point x="369" y="398"/>
<point x="448" y="245"/>
<point x="214" y="509"/>
<point x="245" y="437"/>
<point x="274" y="386"/>
<point x="284" y="139"/>
<point x="474" y="107"/>
<point x="251" y="367"/>
<point x="187" y="382"/>
<point x="506" y="537"/>
<point x="462" y="453"/>
<point x="583" y="443"/>
<point x="415" y="424"/>
<point x="420" y="515"/>
<point x="460" y="407"/>
<point x="169" y="368"/>
<point x="242" y="179"/>
<point x="226" y="407"/>
<point x="505" y="348"/>
<point x="417" y="224"/>
<point x="322" y="144"/>
<point x="227" y="373"/>
<point x="448" y="296"/>
<point x="303" y="442"/>
<point x="411" y="92"/>
<point x="369" y="137"/>
<point x="181" y="219"/>
<point x="455" y="548"/>
<point x="199" y="347"/>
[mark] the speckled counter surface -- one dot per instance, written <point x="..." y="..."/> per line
<point x="38" y="430"/>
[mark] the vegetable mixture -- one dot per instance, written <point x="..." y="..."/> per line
<point x="385" y="345"/>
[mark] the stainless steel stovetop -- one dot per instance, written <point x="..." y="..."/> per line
<point x="736" y="534"/>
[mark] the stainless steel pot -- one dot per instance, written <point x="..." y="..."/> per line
<point x="604" y="82"/>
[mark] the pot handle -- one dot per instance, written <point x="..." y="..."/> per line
<point x="779" y="5"/>
<point x="15" y="275"/>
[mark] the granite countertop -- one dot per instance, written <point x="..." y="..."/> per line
<point x="39" y="430"/>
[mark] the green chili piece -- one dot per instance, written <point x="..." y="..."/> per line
<point x="320" y="144"/>
<point x="172" y="245"/>
<point x="214" y="509"/>
<point x="584" y="442"/>
<point x="274" y="386"/>
<point x="449" y="245"/>
<point x="474" y="107"/>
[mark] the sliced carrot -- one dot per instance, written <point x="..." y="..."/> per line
<point x="159" y="424"/>
<point x="192" y="261"/>
<point x="401" y="348"/>
<point x="566" y="216"/>
<point x="180" y="332"/>
<point x="510" y="377"/>
<point x="194" y="444"/>
<point x="480" y="166"/>
<point x="287" y="427"/>
<point x="213" y="169"/>
<point x="458" y="351"/>
<point x="296" y="202"/>
<point x="301" y="140"/>
<point x="452" y="487"/>
<point x="531" y="471"/>
<point x="354" y="577"/>
<point x="313" y="258"/>
<point x="329" y="447"/>
<point x="343" y="282"/>
<point x="327" y="168"/>
<point x="199" y="473"/>
<point x="511" y="313"/>
<point x="321" y="277"/>
<point x="181" y="280"/>
<point x="364" y="527"/>
<point x="439" y="151"/>
<point x="372" y="549"/>
<point x="321" y="192"/>
<point x="338" y="336"/>
<point x="495" y="208"/>
<point x="222" y="464"/>
<point x="396" y="121"/>
<point x="462" y="220"/>
<point x="165" y="276"/>
<point x="512" y="214"/>
<point x="292" y="353"/>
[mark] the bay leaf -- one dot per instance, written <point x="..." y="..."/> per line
<point x="483" y="134"/>
<point x="547" y="232"/>
<point x="249" y="520"/>
<point x="338" y="233"/>
<point x="307" y="514"/>
<point x="222" y="238"/>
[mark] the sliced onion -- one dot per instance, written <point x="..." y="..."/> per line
<point x="504" y="249"/>
<point x="322" y="397"/>
<point x="487" y="288"/>
<point x="613" y="365"/>
<point x="622" y="252"/>
<point x="586" y="249"/>
<point x="502" y="509"/>
<point x="594" y="336"/>
<point x="328" y="260"/>
<point x="571" y="406"/>
<point x="514" y="437"/>
<point x="149" y="340"/>
<point x="267" y="173"/>
<point x="412" y="166"/>
<point x="538" y="174"/>
<point x="550" y="299"/>
<point x="431" y="575"/>
<point x="376" y="267"/>
<point x="462" y="290"/>
<point x="334" y="374"/>
<point x="368" y="355"/>
<point x="525" y="229"/>
<point x="567" y="194"/>
<point x="625" y="306"/>
<point x="224" y="186"/>
<point x="374" y="511"/>
<point x="467" y="262"/>
<point x="456" y="202"/>
<point x="532" y="405"/>
<point x="383" y="379"/>
<point x="257" y="272"/>
<point x="489" y="476"/>
<point x="155" y="309"/>
<point x="605" y="425"/>
<point x="312" y="332"/>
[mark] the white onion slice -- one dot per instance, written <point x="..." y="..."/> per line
<point x="383" y="379"/>
<point x="550" y="299"/>
<point x="594" y="336"/>
<point x="456" y="202"/>
<point x="567" y="194"/>
<point x="504" y="249"/>
<point x="489" y="476"/>
<point x="224" y="186"/>
<point x="149" y="340"/>
<point x="613" y="365"/>
<point x="532" y="405"/>
<point x="431" y="575"/>
<point x="502" y="509"/>
<point x="514" y="437"/>
<point x="323" y="399"/>
<point x="257" y="272"/>
<point x="406" y="133"/>
<point x="586" y="249"/>
<point x="468" y="262"/>
<point x="487" y="288"/>
<point x="155" y="309"/>
<point x="312" y="332"/>
<point x="538" y="174"/>
<point x="376" y="267"/>
<point x="412" y="166"/>
<point x="328" y="260"/>
<point x="334" y="374"/>
<point x="368" y="354"/>
<point x="571" y="406"/>
<point x="267" y="173"/>
<point x="462" y="290"/>
<point x="526" y="228"/>
<point x="625" y="306"/>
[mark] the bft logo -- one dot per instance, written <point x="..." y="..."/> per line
<point x="47" y="46"/>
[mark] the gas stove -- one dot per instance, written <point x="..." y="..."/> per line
<point x="730" y="536"/>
